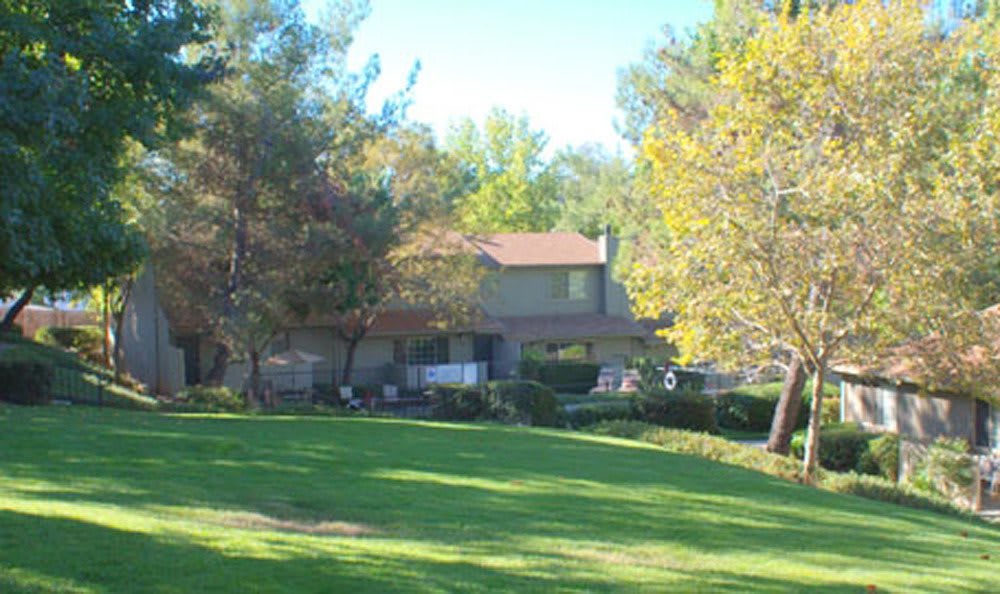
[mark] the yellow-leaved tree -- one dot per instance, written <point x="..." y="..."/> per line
<point x="836" y="199"/>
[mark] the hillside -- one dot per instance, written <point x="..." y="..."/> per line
<point x="98" y="500"/>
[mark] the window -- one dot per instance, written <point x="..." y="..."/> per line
<point x="564" y="351"/>
<point x="422" y="351"/>
<point x="568" y="285"/>
<point x="981" y="437"/>
<point x="885" y="408"/>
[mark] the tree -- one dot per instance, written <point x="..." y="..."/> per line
<point x="78" y="80"/>
<point x="591" y="183"/>
<point x="513" y="188"/>
<point x="258" y="171"/>
<point x="815" y="209"/>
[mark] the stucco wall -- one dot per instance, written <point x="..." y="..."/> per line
<point x="146" y="349"/>
<point x="527" y="292"/>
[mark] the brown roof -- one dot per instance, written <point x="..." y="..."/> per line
<point x="571" y="326"/>
<point x="968" y="362"/>
<point x="538" y="249"/>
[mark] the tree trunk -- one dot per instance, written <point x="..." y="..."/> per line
<point x="352" y="345"/>
<point x="116" y="355"/>
<point x="15" y="309"/>
<point x="786" y="412"/>
<point x="815" y="417"/>
<point x="106" y="323"/>
<point x="253" y="390"/>
<point x="220" y="362"/>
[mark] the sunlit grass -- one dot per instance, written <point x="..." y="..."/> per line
<point x="110" y="501"/>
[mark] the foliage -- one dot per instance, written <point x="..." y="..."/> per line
<point x="585" y="415"/>
<point x="783" y="203"/>
<point x="727" y="452"/>
<point x="25" y="382"/>
<point x="685" y="409"/>
<point x="591" y="183"/>
<point x="705" y="446"/>
<point x="748" y="413"/>
<point x="456" y="402"/>
<point x="87" y="341"/>
<point x="514" y="402"/>
<point x="512" y="188"/>
<point x="842" y="447"/>
<point x="79" y="80"/>
<point x="946" y="468"/>
<point x="521" y="402"/>
<point x="210" y="399"/>
<point x="576" y="377"/>
<point x="882" y="457"/>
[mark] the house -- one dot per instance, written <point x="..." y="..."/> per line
<point x="917" y="391"/>
<point x="553" y="293"/>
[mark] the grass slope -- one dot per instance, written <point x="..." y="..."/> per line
<point x="96" y="500"/>
<point x="72" y="374"/>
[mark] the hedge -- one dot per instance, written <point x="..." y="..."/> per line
<point x="573" y="377"/>
<point x="25" y="382"/>
<point x="88" y="341"/>
<point x="515" y="402"/>
<point x="842" y="448"/>
<point x="751" y="408"/>
<point x="687" y="409"/>
<point x="585" y="415"/>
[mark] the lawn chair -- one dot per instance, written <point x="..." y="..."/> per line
<point x="605" y="381"/>
<point x="630" y="381"/>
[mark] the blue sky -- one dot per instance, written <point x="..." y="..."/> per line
<point x="555" y="60"/>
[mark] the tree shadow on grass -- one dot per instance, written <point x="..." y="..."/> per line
<point x="67" y="554"/>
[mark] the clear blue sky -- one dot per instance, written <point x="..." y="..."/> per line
<point x="555" y="60"/>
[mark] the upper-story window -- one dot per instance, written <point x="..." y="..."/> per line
<point x="568" y="284"/>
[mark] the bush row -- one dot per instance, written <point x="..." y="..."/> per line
<point x="754" y="411"/>
<point x="207" y="399"/>
<point x="516" y="402"/>
<point x="576" y="377"/>
<point x="722" y="450"/>
<point x="687" y="409"/>
<point x="843" y="447"/>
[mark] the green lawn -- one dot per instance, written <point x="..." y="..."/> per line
<point x="111" y="501"/>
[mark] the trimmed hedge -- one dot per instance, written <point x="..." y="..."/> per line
<point x="586" y="415"/>
<point x="573" y="377"/>
<point x="515" y="402"/>
<point x="687" y="409"/>
<point x="88" y="341"/>
<point x="25" y="382"/>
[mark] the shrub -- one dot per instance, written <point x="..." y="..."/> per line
<point x="831" y="410"/>
<point x="211" y="399"/>
<point x="841" y="446"/>
<point x="16" y="331"/>
<point x="456" y="402"/>
<point x="881" y="457"/>
<point x="575" y="377"/>
<point x="585" y="415"/>
<point x="684" y="410"/>
<point x="530" y="365"/>
<point x="882" y="489"/>
<point x="946" y="469"/>
<point x="523" y="402"/>
<point x="87" y="341"/>
<point x="744" y="412"/>
<point x="705" y="446"/>
<point x="727" y="452"/>
<point x="25" y="382"/>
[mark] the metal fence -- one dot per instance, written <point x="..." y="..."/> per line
<point x="76" y="385"/>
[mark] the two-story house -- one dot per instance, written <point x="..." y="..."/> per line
<point x="552" y="293"/>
